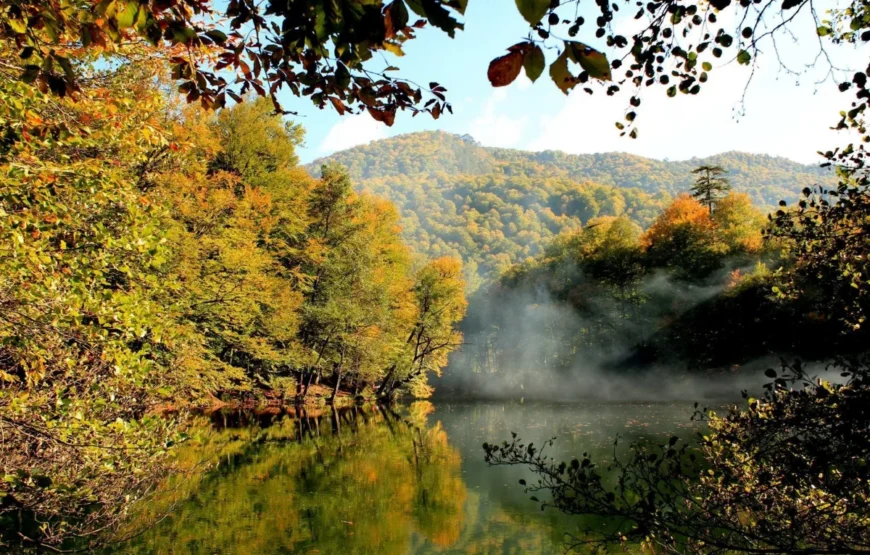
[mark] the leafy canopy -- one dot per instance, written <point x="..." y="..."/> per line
<point x="325" y="51"/>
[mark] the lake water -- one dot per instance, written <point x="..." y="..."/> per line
<point x="375" y="481"/>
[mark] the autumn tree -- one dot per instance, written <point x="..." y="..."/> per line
<point x="439" y="293"/>
<point x="233" y="196"/>
<point x="682" y="238"/>
<point x="710" y="185"/>
<point x="739" y="224"/>
<point x="372" y="293"/>
<point x="256" y="145"/>
<point x="333" y="212"/>
<point x="606" y="251"/>
<point x="617" y="261"/>
<point x="85" y="347"/>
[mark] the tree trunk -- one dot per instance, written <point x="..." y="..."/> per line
<point x="308" y="384"/>
<point x="300" y="384"/>
<point x="387" y="378"/>
<point x="335" y="391"/>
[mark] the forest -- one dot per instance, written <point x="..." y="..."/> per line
<point x="696" y="290"/>
<point x="158" y="256"/>
<point x="497" y="207"/>
<point x="208" y="346"/>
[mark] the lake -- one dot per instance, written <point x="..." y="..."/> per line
<point x="382" y="481"/>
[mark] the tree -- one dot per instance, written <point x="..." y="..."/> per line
<point x="828" y="232"/>
<point x="234" y="203"/>
<point x="86" y="346"/>
<point x="682" y="238"/>
<point x="255" y="144"/>
<point x="739" y="224"/>
<point x="439" y="292"/>
<point x="710" y="185"/>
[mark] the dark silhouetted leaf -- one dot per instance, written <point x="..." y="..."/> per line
<point x="503" y="70"/>
<point x="533" y="62"/>
<point x="533" y="10"/>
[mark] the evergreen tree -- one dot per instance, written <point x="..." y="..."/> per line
<point x="710" y="185"/>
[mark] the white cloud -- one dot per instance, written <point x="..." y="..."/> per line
<point x="495" y="129"/>
<point x="780" y="119"/>
<point x="785" y="114"/>
<point x="522" y="82"/>
<point x="351" y="131"/>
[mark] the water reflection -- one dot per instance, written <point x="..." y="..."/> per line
<point x="372" y="480"/>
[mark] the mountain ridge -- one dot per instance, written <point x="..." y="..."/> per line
<point x="494" y="207"/>
<point x="766" y="187"/>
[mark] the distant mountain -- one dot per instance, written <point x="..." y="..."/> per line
<point x="495" y="206"/>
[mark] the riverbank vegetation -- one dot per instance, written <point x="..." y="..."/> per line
<point x="155" y="257"/>
<point x="696" y="289"/>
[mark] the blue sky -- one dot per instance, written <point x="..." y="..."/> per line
<point x="783" y="114"/>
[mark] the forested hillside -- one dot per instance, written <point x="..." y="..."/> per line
<point x="696" y="290"/>
<point x="495" y="207"/>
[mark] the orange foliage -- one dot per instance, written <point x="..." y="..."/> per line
<point x="686" y="212"/>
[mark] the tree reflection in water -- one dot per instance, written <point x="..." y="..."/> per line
<point x="373" y="480"/>
<point x="358" y="480"/>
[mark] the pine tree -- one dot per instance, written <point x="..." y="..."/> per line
<point x="710" y="185"/>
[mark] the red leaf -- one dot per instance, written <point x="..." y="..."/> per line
<point x="383" y="116"/>
<point x="502" y="71"/>
<point x="338" y="105"/>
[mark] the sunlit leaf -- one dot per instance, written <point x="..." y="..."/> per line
<point x="594" y="62"/>
<point x="560" y="74"/>
<point x="128" y="15"/>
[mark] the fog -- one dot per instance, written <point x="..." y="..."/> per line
<point x="524" y="343"/>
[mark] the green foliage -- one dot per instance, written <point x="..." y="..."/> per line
<point x="610" y="294"/>
<point x="496" y="207"/>
<point x="155" y="257"/>
<point x="84" y="344"/>
<point x="439" y="293"/>
<point x="710" y="185"/>
<point x="828" y="231"/>
<point x="767" y="179"/>
<point x="233" y="196"/>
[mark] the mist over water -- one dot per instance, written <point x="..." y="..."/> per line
<point x="524" y="343"/>
<point x="585" y="382"/>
